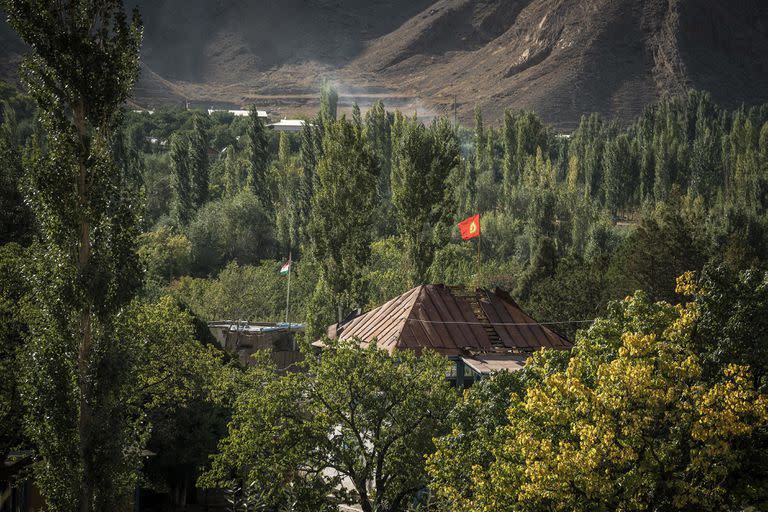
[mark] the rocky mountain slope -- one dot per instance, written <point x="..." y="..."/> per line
<point x="561" y="58"/>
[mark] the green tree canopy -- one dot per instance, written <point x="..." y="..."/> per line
<point x="630" y="424"/>
<point x="422" y="199"/>
<point x="82" y="66"/>
<point x="343" y="206"/>
<point x="354" y="429"/>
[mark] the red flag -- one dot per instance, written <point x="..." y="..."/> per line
<point x="470" y="228"/>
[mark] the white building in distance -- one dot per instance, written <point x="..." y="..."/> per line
<point x="261" y="114"/>
<point x="288" y="125"/>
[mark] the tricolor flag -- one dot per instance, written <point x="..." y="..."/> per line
<point x="470" y="228"/>
<point x="285" y="268"/>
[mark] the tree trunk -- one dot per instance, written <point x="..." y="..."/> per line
<point x="85" y="424"/>
<point x="183" y="493"/>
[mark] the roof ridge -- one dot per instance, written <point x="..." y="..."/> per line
<point x="403" y="321"/>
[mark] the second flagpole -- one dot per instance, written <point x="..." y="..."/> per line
<point x="288" y="291"/>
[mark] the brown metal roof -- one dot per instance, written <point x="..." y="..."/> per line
<point x="452" y="321"/>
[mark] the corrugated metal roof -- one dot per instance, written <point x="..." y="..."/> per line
<point x="452" y="321"/>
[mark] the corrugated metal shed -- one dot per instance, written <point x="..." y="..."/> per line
<point x="452" y="321"/>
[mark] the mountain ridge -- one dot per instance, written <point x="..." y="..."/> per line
<point x="559" y="58"/>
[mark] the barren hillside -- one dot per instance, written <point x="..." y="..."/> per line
<point x="566" y="57"/>
<point x="561" y="58"/>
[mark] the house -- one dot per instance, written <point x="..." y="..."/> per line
<point x="261" y="114"/>
<point x="243" y="339"/>
<point x="288" y="125"/>
<point x="481" y="331"/>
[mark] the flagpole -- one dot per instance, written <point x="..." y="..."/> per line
<point x="477" y="273"/>
<point x="288" y="292"/>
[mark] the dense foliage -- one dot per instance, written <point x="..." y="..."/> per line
<point x="353" y="428"/>
<point x="86" y="365"/>
<point x="123" y="232"/>
<point x="632" y="421"/>
<point x="617" y="209"/>
<point x="83" y="63"/>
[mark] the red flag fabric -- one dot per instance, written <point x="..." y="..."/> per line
<point x="470" y="228"/>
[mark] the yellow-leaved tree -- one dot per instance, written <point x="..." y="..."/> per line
<point x="629" y="424"/>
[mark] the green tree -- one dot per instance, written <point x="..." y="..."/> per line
<point x="629" y="424"/>
<point x="237" y="171"/>
<point x="423" y="202"/>
<point x="182" y="389"/>
<point x="308" y="162"/>
<point x="16" y="220"/>
<point x="662" y="246"/>
<point x="232" y="228"/>
<point x="378" y="134"/>
<point x="247" y="292"/>
<point x="157" y="187"/>
<point x="289" y="207"/>
<point x="257" y="147"/>
<point x="198" y="161"/>
<point x="763" y="148"/>
<point x="474" y="425"/>
<point x="341" y="223"/>
<point x="183" y="205"/>
<point x="573" y="293"/>
<point x="186" y="390"/>
<point x="511" y="167"/>
<point x="358" y="415"/>
<point x="619" y="173"/>
<point x="12" y="332"/>
<point x="164" y="254"/>
<point x="329" y="100"/>
<point x="732" y="327"/>
<point x="463" y="181"/>
<point x="480" y="142"/>
<point x="83" y="63"/>
<point x="357" y="119"/>
<point x="705" y="162"/>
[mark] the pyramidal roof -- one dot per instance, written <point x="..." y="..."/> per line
<point x="451" y="321"/>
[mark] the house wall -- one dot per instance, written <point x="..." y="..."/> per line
<point x="282" y="344"/>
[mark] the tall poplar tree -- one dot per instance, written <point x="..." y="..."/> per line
<point x="422" y="200"/>
<point x="378" y="131"/>
<point x="308" y="162"/>
<point x="620" y="172"/>
<point x="288" y="205"/>
<point x="343" y="207"/>
<point x="15" y="217"/>
<point x="481" y="162"/>
<point x="257" y="146"/>
<point x="329" y="100"/>
<point x="198" y="161"/>
<point x="84" y="60"/>
<point x="511" y="168"/>
<point x="180" y="180"/>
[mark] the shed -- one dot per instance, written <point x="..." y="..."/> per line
<point x="243" y="339"/>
